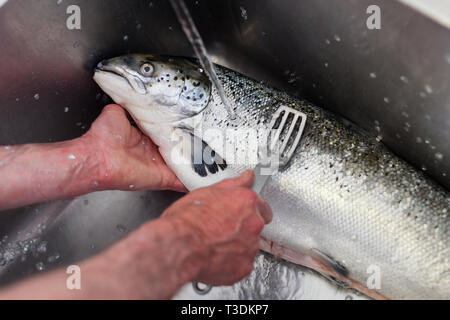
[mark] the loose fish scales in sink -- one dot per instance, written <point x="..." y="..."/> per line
<point x="344" y="205"/>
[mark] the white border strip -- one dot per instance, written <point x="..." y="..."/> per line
<point x="438" y="10"/>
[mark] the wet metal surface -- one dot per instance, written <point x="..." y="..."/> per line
<point x="393" y="82"/>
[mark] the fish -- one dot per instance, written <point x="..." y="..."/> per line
<point x="344" y="206"/>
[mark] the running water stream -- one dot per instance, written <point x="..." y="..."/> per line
<point x="189" y="28"/>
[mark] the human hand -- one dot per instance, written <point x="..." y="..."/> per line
<point x="132" y="160"/>
<point x="227" y="218"/>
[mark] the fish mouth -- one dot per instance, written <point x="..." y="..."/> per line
<point x="118" y="72"/>
<point x="103" y="67"/>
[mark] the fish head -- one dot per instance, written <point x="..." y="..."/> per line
<point x="155" y="89"/>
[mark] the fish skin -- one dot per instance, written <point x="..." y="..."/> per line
<point x="343" y="196"/>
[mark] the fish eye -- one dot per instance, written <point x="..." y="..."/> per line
<point x="146" y="69"/>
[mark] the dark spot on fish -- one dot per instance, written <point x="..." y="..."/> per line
<point x="196" y="84"/>
<point x="201" y="95"/>
<point x="175" y="78"/>
<point x="188" y="97"/>
<point x="184" y="88"/>
<point x="128" y="60"/>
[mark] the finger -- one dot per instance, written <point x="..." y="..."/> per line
<point x="264" y="210"/>
<point x="245" y="180"/>
<point x="113" y="108"/>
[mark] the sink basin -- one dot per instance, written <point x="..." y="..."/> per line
<point x="393" y="82"/>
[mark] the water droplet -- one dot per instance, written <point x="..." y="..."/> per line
<point x="379" y="138"/>
<point x="243" y="13"/>
<point x="131" y="186"/>
<point x="337" y="38"/>
<point x="125" y="38"/>
<point x="66" y="109"/>
<point x="428" y="89"/>
<point x="354" y="237"/>
<point x="418" y="139"/>
<point x="439" y="156"/>
<point x="42" y="247"/>
<point x="138" y="26"/>
<point x="404" y="79"/>
<point x="196" y="202"/>
<point x="36" y="96"/>
<point x="424" y="168"/>
<point x="121" y="228"/>
<point x="58" y="2"/>
<point x="327" y="41"/>
<point x="405" y="114"/>
<point x="95" y="183"/>
<point x="53" y="258"/>
<point x="170" y="28"/>
<point x="373" y="75"/>
<point x="326" y="64"/>
<point x="40" y="266"/>
<point x="386" y="99"/>
<point x="72" y="156"/>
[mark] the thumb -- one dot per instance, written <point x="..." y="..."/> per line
<point x="245" y="180"/>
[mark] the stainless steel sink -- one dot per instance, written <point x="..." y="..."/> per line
<point x="393" y="82"/>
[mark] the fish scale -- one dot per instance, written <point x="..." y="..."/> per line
<point x="344" y="205"/>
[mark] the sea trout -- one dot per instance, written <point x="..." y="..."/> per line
<point x="344" y="205"/>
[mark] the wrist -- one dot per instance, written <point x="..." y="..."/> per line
<point x="187" y="251"/>
<point x="153" y="262"/>
<point x="97" y="171"/>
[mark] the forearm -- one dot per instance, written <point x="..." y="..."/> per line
<point x="39" y="172"/>
<point x="153" y="263"/>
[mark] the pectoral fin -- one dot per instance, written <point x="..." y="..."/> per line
<point x="205" y="160"/>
